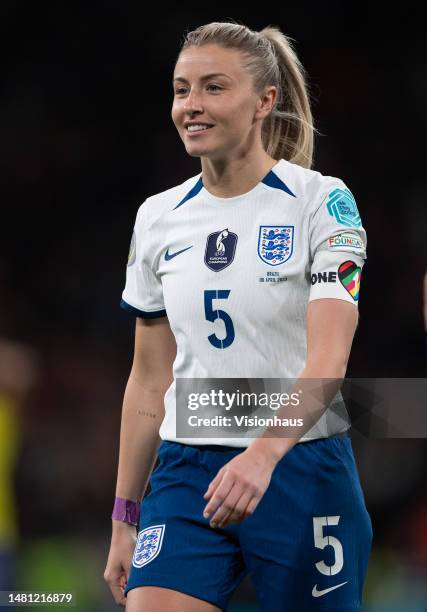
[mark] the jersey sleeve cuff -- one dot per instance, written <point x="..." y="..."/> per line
<point x="145" y="314"/>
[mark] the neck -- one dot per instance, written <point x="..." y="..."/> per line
<point x="230" y="178"/>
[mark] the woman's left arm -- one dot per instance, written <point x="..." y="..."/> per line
<point x="240" y="484"/>
<point x="331" y="325"/>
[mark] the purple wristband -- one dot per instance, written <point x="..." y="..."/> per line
<point x="126" y="510"/>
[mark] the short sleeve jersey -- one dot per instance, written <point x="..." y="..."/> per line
<point x="234" y="277"/>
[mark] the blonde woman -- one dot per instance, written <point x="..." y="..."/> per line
<point x="250" y="269"/>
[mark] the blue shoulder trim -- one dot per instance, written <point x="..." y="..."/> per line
<point x="272" y="180"/>
<point x="193" y="192"/>
<point x="142" y="313"/>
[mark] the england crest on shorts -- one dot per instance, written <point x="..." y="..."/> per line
<point x="275" y="243"/>
<point x="148" y="545"/>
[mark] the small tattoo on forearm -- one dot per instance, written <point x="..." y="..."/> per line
<point x="149" y="414"/>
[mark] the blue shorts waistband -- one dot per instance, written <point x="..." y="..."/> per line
<point x="225" y="448"/>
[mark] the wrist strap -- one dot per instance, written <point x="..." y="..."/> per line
<point x="126" y="510"/>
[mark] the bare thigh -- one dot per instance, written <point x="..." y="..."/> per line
<point x="148" y="598"/>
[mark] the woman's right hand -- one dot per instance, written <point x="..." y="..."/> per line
<point x="123" y="541"/>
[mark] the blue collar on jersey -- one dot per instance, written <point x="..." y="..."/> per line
<point x="271" y="179"/>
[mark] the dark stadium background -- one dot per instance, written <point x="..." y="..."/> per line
<point x="86" y="136"/>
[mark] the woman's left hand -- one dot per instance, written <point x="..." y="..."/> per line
<point x="238" y="487"/>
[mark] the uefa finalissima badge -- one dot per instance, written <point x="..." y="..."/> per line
<point x="349" y="275"/>
<point x="275" y="243"/>
<point x="342" y="205"/>
<point x="220" y="249"/>
<point x="148" y="545"/>
<point x="132" y="250"/>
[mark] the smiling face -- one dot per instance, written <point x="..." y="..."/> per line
<point x="211" y="86"/>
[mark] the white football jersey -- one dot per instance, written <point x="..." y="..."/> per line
<point x="234" y="277"/>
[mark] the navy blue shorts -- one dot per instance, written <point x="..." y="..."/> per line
<point x="306" y="546"/>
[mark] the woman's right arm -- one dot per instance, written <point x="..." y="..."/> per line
<point x="143" y="405"/>
<point x="142" y="415"/>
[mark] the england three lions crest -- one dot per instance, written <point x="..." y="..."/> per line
<point x="275" y="243"/>
<point x="148" y="545"/>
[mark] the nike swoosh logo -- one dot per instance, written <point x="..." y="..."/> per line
<point x="317" y="593"/>
<point x="169" y="256"/>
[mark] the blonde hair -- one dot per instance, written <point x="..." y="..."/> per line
<point x="288" y="131"/>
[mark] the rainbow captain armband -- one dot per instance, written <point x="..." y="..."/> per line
<point x="336" y="275"/>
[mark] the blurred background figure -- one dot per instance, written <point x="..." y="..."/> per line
<point x="19" y="368"/>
